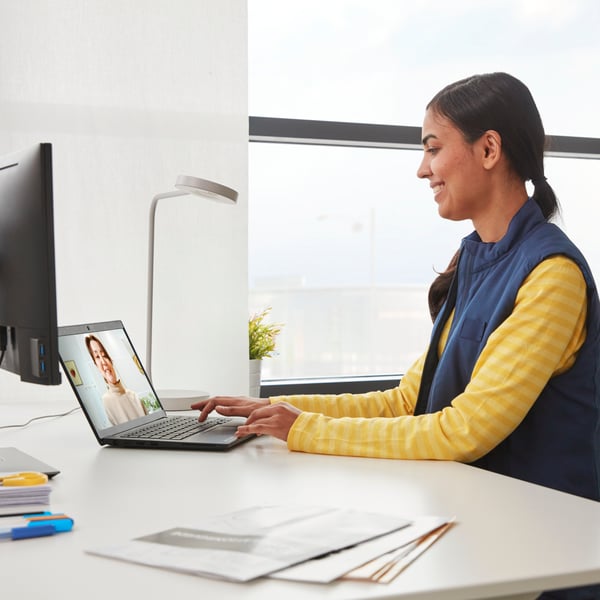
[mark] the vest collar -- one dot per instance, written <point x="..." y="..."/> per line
<point x="481" y="254"/>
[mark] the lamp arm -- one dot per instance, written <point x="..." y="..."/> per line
<point x="150" y="290"/>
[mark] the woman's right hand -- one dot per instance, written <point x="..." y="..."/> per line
<point x="230" y="406"/>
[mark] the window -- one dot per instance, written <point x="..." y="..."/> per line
<point x="349" y="262"/>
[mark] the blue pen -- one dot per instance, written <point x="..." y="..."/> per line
<point x="38" y="525"/>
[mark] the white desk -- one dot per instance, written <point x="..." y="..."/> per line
<point x="512" y="539"/>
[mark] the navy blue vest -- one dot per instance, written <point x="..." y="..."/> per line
<point x="558" y="443"/>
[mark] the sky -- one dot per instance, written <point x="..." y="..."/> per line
<point x="331" y="216"/>
<point x="381" y="60"/>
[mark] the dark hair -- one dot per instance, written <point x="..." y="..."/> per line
<point x="500" y="102"/>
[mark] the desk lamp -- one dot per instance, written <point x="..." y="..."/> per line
<point x="178" y="399"/>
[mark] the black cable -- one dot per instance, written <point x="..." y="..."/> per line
<point x="3" y="342"/>
<point x="3" y="338"/>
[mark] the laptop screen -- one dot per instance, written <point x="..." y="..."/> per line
<point x="106" y="374"/>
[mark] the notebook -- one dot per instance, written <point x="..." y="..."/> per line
<point x="13" y="460"/>
<point x="119" y="401"/>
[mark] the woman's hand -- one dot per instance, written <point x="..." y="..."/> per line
<point x="231" y="406"/>
<point x="275" y="419"/>
<point x="264" y="418"/>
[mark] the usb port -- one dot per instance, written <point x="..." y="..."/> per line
<point x="38" y="354"/>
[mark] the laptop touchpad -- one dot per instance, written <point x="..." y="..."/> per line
<point x="218" y="434"/>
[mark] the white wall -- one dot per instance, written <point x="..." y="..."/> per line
<point x="132" y="94"/>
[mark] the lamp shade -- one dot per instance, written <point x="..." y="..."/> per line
<point x="204" y="187"/>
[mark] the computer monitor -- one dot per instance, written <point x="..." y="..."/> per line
<point x="28" y="321"/>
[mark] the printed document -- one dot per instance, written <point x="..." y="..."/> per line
<point x="253" y="542"/>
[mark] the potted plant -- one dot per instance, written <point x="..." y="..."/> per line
<point x="261" y="344"/>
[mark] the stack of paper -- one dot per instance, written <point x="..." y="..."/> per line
<point x="379" y="560"/>
<point x="387" y="567"/>
<point x="20" y="500"/>
<point x="316" y="544"/>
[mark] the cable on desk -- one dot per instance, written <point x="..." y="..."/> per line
<point x="40" y="417"/>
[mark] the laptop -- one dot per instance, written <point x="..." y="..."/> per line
<point x="118" y="398"/>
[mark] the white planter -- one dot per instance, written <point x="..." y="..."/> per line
<point x="254" y="380"/>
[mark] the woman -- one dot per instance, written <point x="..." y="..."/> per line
<point x="121" y="405"/>
<point x="516" y="388"/>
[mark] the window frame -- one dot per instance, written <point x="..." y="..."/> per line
<point x="370" y="135"/>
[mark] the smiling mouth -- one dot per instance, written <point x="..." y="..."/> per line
<point x="437" y="188"/>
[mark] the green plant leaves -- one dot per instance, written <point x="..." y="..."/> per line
<point x="261" y="335"/>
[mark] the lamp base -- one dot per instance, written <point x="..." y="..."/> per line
<point x="180" y="399"/>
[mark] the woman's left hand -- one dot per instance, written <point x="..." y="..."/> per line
<point x="276" y="420"/>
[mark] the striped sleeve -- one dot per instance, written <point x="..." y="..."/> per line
<point x="540" y="339"/>
<point x="389" y="403"/>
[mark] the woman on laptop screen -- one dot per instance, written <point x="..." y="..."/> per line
<point x="121" y="404"/>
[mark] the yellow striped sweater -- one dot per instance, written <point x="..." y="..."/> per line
<point x="539" y="339"/>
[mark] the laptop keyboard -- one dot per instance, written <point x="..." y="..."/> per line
<point x="173" y="428"/>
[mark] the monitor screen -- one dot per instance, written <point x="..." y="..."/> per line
<point x="28" y="321"/>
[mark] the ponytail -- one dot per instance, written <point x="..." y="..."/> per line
<point x="545" y="197"/>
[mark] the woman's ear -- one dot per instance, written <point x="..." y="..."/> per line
<point x="492" y="148"/>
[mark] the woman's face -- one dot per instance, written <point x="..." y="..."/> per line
<point x="454" y="169"/>
<point x="103" y="362"/>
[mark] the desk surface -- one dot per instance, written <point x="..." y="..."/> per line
<point x="511" y="538"/>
